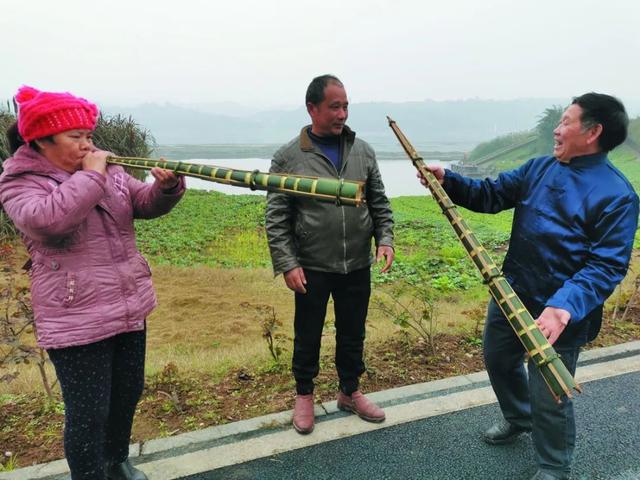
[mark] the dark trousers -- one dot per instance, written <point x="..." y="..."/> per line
<point x="101" y="384"/>
<point x="350" y="294"/>
<point x="525" y="400"/>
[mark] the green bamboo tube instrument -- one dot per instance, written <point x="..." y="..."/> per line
<point x="554" y="372"/>
<point x="342" y="192"/>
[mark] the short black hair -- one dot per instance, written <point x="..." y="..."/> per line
<point x="608" y="111"/>
<point x="315" y="90"/>
<point x="15" y="141"/>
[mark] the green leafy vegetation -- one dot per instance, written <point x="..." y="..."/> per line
<point x="208" y="228"/>
<point x="7" y="118"/>
<point x="213" y="229"/>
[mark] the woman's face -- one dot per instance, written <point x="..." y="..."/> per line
<point x="68" y="149"/>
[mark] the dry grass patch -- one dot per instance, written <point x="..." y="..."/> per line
<point x="208" y="321"/>
<point x="209" y="317"/>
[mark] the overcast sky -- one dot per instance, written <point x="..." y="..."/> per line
<point x="263" y="53"/>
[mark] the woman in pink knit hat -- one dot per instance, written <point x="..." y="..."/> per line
<point x="91" y="288"/>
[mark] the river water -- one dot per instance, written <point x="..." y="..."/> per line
<point x="399" y="176"/>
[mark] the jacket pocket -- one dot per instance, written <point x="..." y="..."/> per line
<point x="142" y="269"/>
<point x="71" y="289"/>
<point x="63" y="289"/>
<point x="79" y="290"/>
<point x="301" y="229"/>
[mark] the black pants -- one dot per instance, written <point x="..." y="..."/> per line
<point x="350" y="294"/>
<point x="101" y="385"/>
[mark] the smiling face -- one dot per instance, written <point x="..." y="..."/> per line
<point x="572" y="138"/>
<point x="67" y="149"/>
<point x="329" y="116"/>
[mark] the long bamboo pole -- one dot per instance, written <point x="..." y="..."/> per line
<point x="340" y="191"/>
<point x="554" y="372"/>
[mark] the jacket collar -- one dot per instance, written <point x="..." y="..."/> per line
<point x="584" y="160"/>
<point x="28" y="160"/>
<point x="306" y="145"/>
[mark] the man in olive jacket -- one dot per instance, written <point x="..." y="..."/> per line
<point x="324" y="249"/>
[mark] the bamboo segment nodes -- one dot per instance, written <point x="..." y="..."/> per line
<point x="554" y="372"/>
<point x="340" y="191"/>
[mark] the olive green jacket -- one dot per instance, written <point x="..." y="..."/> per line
<point x="323" y="236"/>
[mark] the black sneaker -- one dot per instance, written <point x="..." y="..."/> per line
<point x="125" y="471"/>
<point x="503" y="433"/>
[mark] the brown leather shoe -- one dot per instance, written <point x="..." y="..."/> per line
<point x="361" y="406"/>
<point x="303" y="416"/>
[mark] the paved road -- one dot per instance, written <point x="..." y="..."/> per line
<point x="448" y="446"/>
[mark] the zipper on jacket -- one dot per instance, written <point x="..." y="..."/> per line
<point x="117" y="257"/>
<point x="344" y="240"/>
<point x="344" y="218"/>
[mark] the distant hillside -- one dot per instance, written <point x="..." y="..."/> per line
<point x="503" y="160"/>
<point x="633" y="139"/>
<point x="499" y="145"/>
<point x="460" y="122"/>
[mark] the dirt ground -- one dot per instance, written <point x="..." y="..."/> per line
<point x="175" y="401"/>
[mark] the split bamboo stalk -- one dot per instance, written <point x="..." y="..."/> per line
<point x="558" y="378"/>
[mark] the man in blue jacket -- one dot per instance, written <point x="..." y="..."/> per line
<point x="572" y="235"/>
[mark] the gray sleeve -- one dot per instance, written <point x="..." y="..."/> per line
<point x="279" y="218"/>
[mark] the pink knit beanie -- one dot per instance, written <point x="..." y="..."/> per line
<point x="41" y="114"/>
